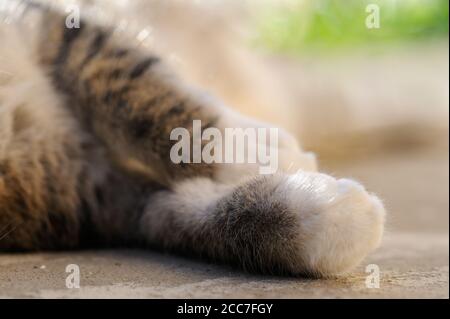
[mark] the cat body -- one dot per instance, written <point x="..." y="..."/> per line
<point x="85" y="123"/>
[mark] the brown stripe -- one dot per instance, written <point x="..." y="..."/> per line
<point x="97" y="44"/>
<point x="142" y="66"/>
<point x="69" y="36"/>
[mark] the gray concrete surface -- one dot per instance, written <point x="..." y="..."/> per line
<point x="413" y="259"/>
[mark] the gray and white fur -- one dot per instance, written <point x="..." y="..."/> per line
<point x="85" y="119"/>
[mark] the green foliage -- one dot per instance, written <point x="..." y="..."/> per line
<point x="335" y="24"/>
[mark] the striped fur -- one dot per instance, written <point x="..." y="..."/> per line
<point x="85" y="119"/>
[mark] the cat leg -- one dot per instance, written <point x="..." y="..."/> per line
<point x="301" y="224"/>
<point x="40" y="167"/>
<point x="132" y="103"/>
<point x="128" y="100"/>
<point x="57" y="188"/>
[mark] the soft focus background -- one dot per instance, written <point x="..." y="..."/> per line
<point x="372" y="103"/>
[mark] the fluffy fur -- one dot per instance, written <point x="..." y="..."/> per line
<point x="85" y="119"/>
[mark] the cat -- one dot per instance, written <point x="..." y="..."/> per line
<point x="85" y="125"/>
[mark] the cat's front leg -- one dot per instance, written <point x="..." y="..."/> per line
<point x="300" y="224"/>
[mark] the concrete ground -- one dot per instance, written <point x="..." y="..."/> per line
<point x="413" y="259"/>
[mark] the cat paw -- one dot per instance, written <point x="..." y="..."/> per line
<point x="339" y="222"/>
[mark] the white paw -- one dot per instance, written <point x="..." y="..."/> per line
<point x="339" y="221"/>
